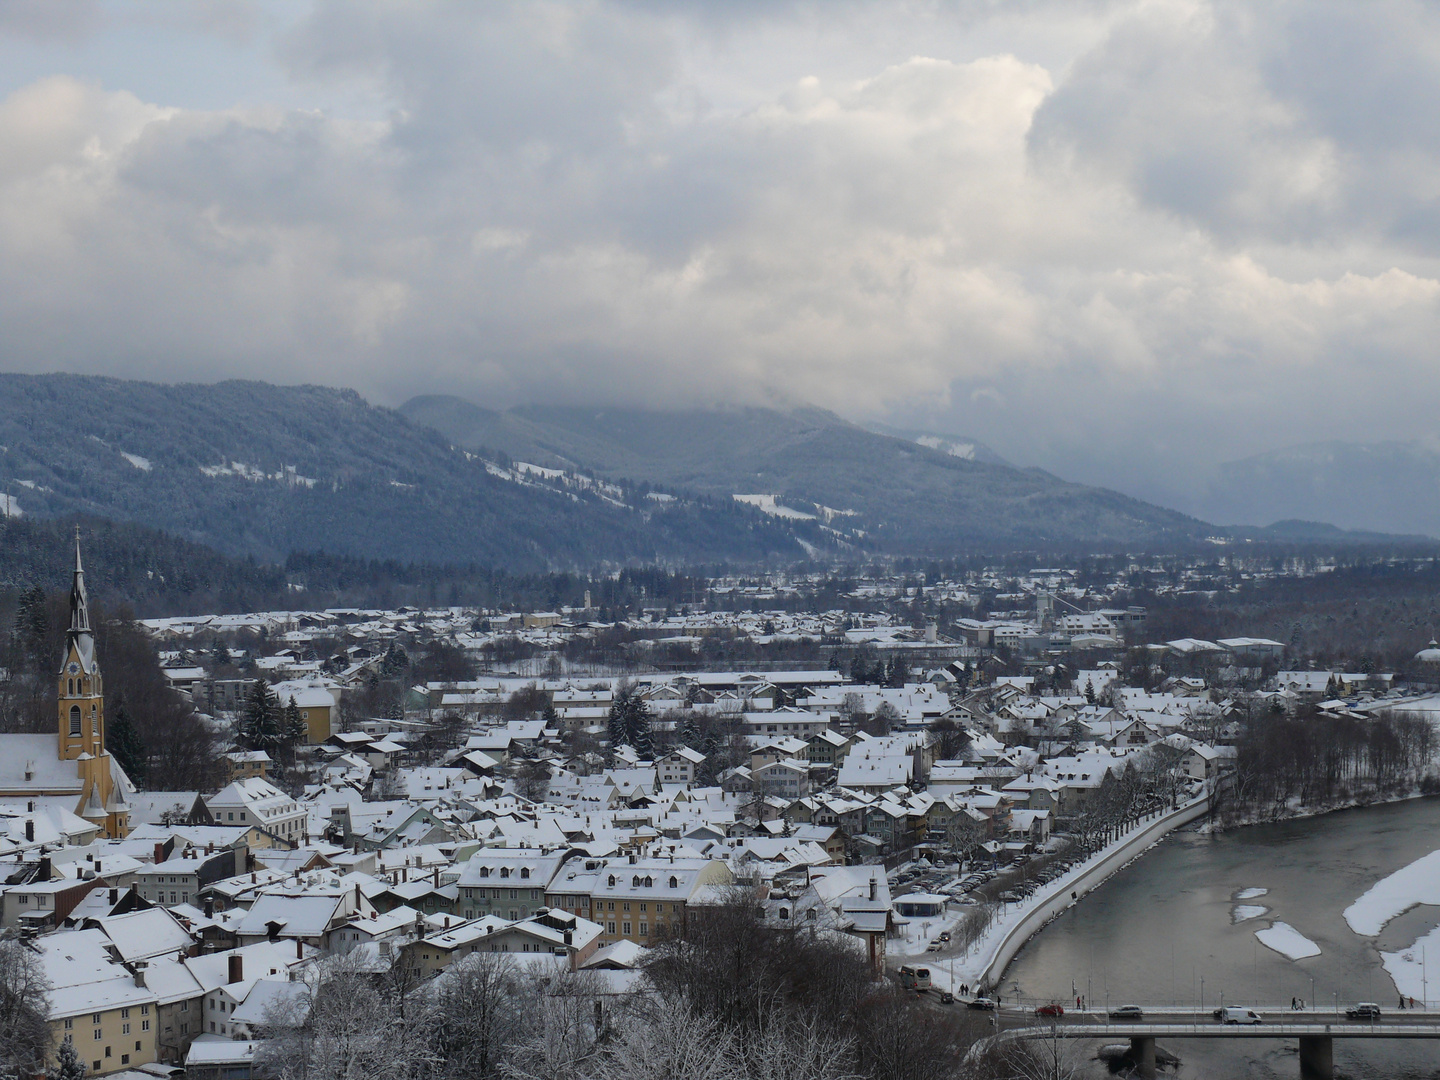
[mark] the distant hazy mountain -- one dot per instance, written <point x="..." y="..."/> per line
<point x="893" y="492"/>
<point x="1385" y="487"/>
<point x="255" y="469"/>
<point x="955" y="445"/>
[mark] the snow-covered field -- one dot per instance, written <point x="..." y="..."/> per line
<point x="1287" y="941"/>
<point x="1418" y="883"/>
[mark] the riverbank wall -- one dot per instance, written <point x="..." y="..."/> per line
<point x="1083" y="880"/>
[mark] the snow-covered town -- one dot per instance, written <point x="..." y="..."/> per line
<point x="913" y="803"/>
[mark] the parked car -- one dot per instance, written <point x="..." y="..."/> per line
<point x="982" y="1003"/>
<point x="1235" y="1014"/>
<point x="1054" y="1009"/>
<point x="947" y="998"/>
<point x="1365" y="1010"/>
<point x="1126" y="1012"/>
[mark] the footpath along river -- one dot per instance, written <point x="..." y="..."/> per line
<point x="1189" y="909"/>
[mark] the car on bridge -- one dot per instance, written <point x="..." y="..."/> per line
<point x="1235" y="1014"/>
<point x="1126" y="1012"/>
<point x="1364" y="1010"/>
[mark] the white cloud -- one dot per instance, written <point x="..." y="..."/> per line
<point x="1116" y="239"/>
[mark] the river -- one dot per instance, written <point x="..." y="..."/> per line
<point x="1159" y="927"/>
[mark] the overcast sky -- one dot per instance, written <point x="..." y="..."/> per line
<point x="1117" y="240"/>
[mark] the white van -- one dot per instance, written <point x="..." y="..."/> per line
<point x="1233" y="1014"/>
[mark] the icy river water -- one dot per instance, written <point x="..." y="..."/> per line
<point x="1189" y="911"/>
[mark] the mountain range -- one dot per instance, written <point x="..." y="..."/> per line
<point x="1388" y="487"/>
<point x="256" y="470"/>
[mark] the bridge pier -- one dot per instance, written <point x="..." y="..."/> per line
<point x="1142" y="1053"/>
<point x="1317" y="1057"/>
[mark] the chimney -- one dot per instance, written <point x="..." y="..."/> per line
<point x="568" y="937"/>
<point x="299" y="949"/>
<point x="252" y="877"/>
<point x="237" y="968"/>
<point x="29" y="830"/>
<point x="437" y="876"/>
<point x="420" y="926"/>
<point x="209" y="907"/>
<point x="44" y="868"/>
<point x="358" y="896"/>
<point x="874" y="889"/>
<point x="140" y="966"/>
<point x="159" y="853"/>
<point x="114" y="897"/>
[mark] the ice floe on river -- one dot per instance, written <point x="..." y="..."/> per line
<point x="1287" y="941"/>
<point x="1418" y="883"/>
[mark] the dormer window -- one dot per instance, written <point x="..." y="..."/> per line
<point x="674" y="882"/>
<point x="524" y="871"/>
<point x="612" y="881"/>
<point x="484" y="871"/>
<point x="504" y="871"/>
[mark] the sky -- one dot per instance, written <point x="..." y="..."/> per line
<point x="1121" y="241"/>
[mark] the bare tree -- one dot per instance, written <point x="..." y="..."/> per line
<point x="480" y="1003"/>
<point x="667" y="1040"/>
<point x="24" y="1034"/>
<point x="343" y="1027"/>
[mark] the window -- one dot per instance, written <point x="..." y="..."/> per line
<point x="612" y="882"/>
<point x="625" y="906"/>
<point x="125" y="1058"/>
<point x="124" y="1014"/>
<point x="642" y="907"/>
<point x="524" y="871"/>
<point x="609" y="927"/>
<point x="98" y="1035"/>
<point x="69" y="1023"/>
<point x="674" y="882"/>
<point x="144" y="1025"/>
<point x="124" y="1029"/>
<point x="627" y="929"/>
<point x="94" y="1018"/>
<point x="74" y="719"/>
<point x="184" y="1029"/>
<point x="144" y="1010"/>
<point x="644" y="929"/>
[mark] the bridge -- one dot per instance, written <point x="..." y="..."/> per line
<point x="1315" y="1032"/>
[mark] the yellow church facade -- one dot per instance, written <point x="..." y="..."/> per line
<point x="77" y="764"/>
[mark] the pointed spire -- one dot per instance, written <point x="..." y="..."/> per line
<point x="79" y="603"/>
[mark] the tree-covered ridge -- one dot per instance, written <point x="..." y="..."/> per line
<point x="260" y="470"/>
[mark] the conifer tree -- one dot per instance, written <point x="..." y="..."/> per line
<point x="259" y="728"/>
<point x="294" y="730"/>
<point x="68" y="1065"/>
<point x="125" y="744"/>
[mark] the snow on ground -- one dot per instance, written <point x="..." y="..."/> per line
<point x="143" y="464"/>
<point x="1243" y="912"/>
<point x="1251" y="894"/>
<point x="766" y="504"/>
<point x="9" y="507"/>
<point x="1409" y="968"/>
<point x="1418" y="883"/>
<point x="1287" y="941"/>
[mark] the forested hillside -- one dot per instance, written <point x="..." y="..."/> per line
<point x="900" y="495"/>
<point x="258" y="470"/>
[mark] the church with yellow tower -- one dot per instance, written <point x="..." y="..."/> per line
<point x="72" y="770"/>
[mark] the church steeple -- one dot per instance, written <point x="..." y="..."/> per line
<point x="79" y="602"/>
<point x="82" y="708"/>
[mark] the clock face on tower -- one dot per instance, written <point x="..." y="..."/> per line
<point x="74" y="668"/>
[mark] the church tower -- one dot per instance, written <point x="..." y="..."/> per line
<point x="82" y="719"/>
<point x="82" y="704"/>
